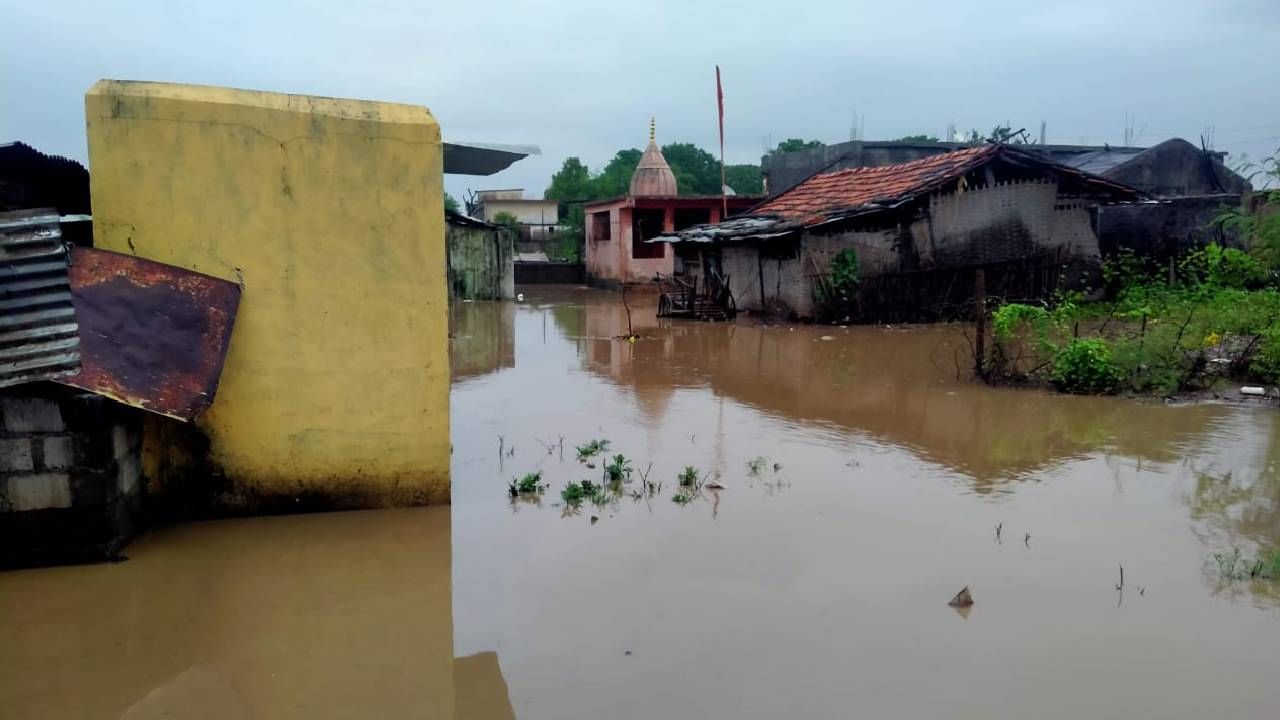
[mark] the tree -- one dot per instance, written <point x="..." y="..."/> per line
<point x="918" y="138"/>
<point x="744" y="179"/>
<point x="697" y="171"/>
<point x="615" y="179"/>
<point x="450" y="203"/>
<point x="571" y="183"/>
<point x="508" y="222"/>
<point x="794" y="144"/>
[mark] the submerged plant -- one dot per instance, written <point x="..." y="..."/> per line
<point x="681" y="499"/>
<point x="1234" y="566"/>
<point x="757" y="465"/>
<point x="618" y="469"/>
<point x="591" y="449"/>
<point x="688" y="477"/>
<point x="530" y="484"/>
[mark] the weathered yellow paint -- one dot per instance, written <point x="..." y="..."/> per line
<point x="336" y="385"/>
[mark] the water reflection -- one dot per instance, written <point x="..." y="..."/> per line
<point x="482" y="338"/>
<point x="904" y="387"/>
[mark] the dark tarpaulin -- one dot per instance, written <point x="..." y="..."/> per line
<point x="152" y="335"/>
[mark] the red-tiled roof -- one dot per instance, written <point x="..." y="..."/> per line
<point x="814" y="198"/>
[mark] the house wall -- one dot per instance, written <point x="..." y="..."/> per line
<point x="610" y="262"/>
<point x="991" y="223"/>
<point x="995" y="224"/>
<point x="642" y="270"/>
<point x="481" y="263"/>
<point x="1166" y="228"/>
<point x="70" y="476"/>
<point x="329" y="212"/>
<point x="602" y="258"/>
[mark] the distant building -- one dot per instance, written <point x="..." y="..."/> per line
<point x="539" y="219"/>
<point x="919" y="230"/>
<point x="617" y="229"/>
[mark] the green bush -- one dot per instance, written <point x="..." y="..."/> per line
<point x="1224" y="267"/>
<point x="1085" y="365"/>
<point x="1266" y="361"/>
<point x="1007" y="318"/>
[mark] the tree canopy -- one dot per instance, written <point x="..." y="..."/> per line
<point x="450" y="203"/>
<point x="794" y="144"/>
<point x="697" y="173"/>
<point x="918" y="138"/>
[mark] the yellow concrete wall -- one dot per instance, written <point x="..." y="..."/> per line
<point x="336" y="385"/>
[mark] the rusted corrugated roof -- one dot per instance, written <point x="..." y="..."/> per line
<point x="38" y="333"/>
<point x="153" y="336"/>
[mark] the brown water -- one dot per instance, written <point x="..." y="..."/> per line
<point x="818" y="589"/>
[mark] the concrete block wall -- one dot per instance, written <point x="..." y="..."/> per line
<point x="70" y="476"/>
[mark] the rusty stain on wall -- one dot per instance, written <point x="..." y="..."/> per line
<point x="153" y="336"/>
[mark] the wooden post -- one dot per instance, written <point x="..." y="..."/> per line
<point x="980" y="312"/>
<point x="760" y="272"/>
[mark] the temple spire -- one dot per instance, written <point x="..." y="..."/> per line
<point x="653" y="176"/>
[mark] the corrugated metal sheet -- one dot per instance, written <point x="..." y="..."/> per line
<point x="39" y="339"/>
<point x="153" y="336"/>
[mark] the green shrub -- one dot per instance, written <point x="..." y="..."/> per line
<point x="1265" y="364"/>
<point x="1224" y="267"/>
<point x="840" y="288"/>
<point x="1085" y="365"/>
<point x="1007" y="318"/>
<point x="844" y="274"/>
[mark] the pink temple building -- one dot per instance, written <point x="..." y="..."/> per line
<point x="616" y="229"/>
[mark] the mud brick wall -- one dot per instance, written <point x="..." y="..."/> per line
<point x="70" y="476"/>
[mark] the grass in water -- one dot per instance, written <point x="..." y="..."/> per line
<point x="530" y="484"/>
<point x="591" y="449"/>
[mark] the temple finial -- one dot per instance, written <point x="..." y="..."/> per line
<point x="653" y="129"/>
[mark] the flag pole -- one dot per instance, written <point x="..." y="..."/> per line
<point x="724" y="194"/>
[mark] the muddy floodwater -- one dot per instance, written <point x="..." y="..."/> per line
<point x="864" y="478"/>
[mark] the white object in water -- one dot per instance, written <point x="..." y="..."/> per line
<point x="1253" y="390"/>
<point x="519" y="297"/>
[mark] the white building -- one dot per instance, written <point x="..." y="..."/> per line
<point x="538" y="218"/>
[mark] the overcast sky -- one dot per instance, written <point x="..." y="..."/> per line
<point x="582" y="77"/>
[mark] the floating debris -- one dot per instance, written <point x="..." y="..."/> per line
<point x="962" y="599"/>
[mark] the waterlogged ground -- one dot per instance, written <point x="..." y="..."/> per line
<point x="816" y="587"/>
<point x="820" y="590"/>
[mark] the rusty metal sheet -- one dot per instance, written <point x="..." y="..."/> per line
<point x="38" y="334"/>
<point x="153" y="336"/>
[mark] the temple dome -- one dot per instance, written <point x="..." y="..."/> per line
<point x="653" y="176"/>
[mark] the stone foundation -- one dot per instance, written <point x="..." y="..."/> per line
<point x="70" y="476"/>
